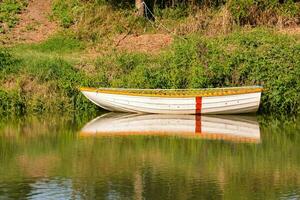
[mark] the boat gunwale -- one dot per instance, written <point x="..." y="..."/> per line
<point x="176" y="93"/>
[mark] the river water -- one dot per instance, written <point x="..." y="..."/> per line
<point x="131" y="156"/>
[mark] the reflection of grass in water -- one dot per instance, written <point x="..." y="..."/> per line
<point x="214" y="165"/>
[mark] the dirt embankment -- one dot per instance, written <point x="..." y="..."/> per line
<point x="35" y="24"/>
<point x="147" y="43"/>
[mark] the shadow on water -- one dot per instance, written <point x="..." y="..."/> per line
<point x="132" y="156"/>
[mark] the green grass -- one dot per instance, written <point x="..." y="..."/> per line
<point x="8" y="12"/>
<point x="262" y="12"/>
<point x="95" y="20"/>
<point x="61" y="43"/>
<point x="36" y="78"/>
<point x="44" y="77"/>
<point x="257" y="57"/>
<point x="64" y="11"/>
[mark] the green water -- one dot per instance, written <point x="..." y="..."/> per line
<point x="48" y="158"/>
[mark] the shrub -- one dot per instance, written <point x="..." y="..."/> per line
<point x="12" y="102"/>
<point x="64" y="11"/>
<point x="257" y="57"/>
<point x="242" y="58"/>
<point x="178" y="12"/>
<point x="260" y="12"/>
<point x="64" y="80"/>
<point x="8" y="63"/>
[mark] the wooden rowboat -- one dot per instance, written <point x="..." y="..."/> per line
<point x="177" y="101"/>
<point x="234" y="128"/>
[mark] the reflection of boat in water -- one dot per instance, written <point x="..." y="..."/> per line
<point x="225" y="127"/>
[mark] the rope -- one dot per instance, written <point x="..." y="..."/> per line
<point x="159" y="23"/>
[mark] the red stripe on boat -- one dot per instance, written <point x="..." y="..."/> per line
<point x="198" y="105"/>
<point x="198" y="124"/>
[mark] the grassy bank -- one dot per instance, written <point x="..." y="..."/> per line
<point x="224" y="46"/>
<point x="256" y="57"/>
<point x="9" y="10"/>
<point x="45" y="77"/>
<point x="101" y="20"/>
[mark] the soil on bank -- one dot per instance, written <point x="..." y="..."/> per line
<point x="147" y="43"/>
<point x="35" y="24"/>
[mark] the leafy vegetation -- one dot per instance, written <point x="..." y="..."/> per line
<point x="64" y="11"/>
<point x="60" y="43"/>
<point x="45" y="76"/>
<point x="262" y="12"/>
<point x="99" y="20"/>
<point x="36" y="82"/>
<point x="8" y="12"/>
<point x="8" y="63"/>
<point x="96" y="21"/>
<point x="256" y="57"/>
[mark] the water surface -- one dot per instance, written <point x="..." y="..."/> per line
<point x="129" y="156"/>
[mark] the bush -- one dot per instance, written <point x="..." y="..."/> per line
<point x="64" y="11"/>
<point x="178" y="12"/>
<point x="8" y="63"/>
<point x="260" y="12"/>
<point x="257" y="57"/>
<point x="12" y="102"/>
<point x="64" y="81"/>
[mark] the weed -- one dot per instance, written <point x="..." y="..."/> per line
<point x="64" y="11"/>
<point x="12" y="102"/>
<point x="8" y="12"/>
<point x="175" y="13"/>
<point x="258" y="57"/>
<point x="8" y="64"/>
<point x="262" y="12"/>
<point x="60" y="43"/>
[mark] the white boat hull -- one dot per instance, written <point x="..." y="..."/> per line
<point x="229" y="104"/>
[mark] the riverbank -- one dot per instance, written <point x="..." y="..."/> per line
<point x="124" y="51"/>
<point x="46" y="76"/>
